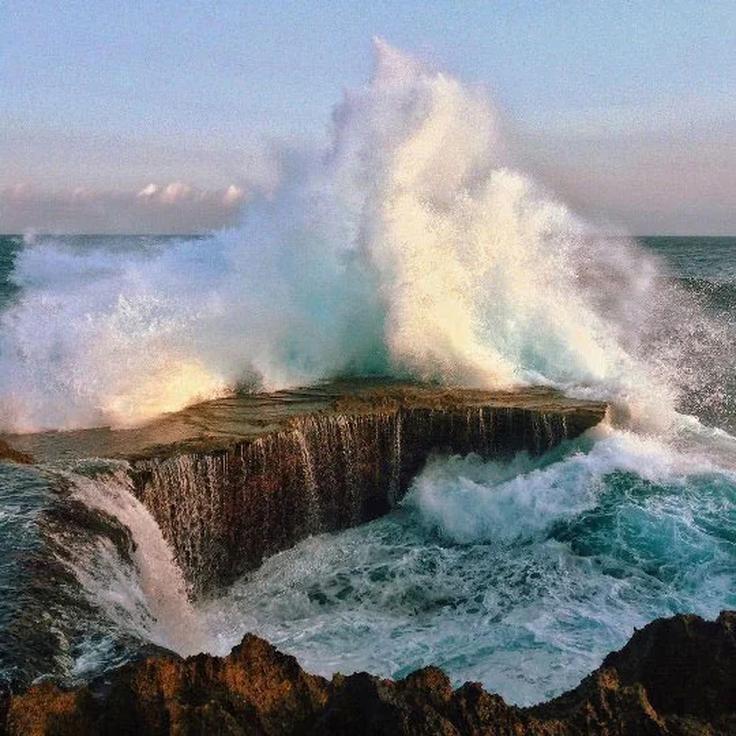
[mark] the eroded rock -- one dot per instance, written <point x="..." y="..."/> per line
<point x="235" y="480"/>
<point x="676" y="676"/>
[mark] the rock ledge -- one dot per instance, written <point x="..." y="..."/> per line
<point x="676" y="676"/>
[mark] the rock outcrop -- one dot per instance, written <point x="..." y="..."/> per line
<point x="234" y="480"/>
<point x="225" y="504"/>
<point x="676" y="676"/>
<point x="10" y="454"/>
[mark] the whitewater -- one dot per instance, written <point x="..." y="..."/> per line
<point x="408" y="246"/>
<point x="411" y="246"/>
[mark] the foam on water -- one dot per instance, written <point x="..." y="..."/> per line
<point x="452" y="494"/>
<point x="409" y="245"/>
<point x="520" y="575"/>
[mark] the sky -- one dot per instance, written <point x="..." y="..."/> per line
<point x="161" y="116"/>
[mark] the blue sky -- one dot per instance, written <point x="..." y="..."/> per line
<point x="623" y="98"/>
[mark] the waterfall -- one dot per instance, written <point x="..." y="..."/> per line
<point x="224" y="510"/>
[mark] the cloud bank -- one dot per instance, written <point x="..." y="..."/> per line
<point x="170" y="207"/>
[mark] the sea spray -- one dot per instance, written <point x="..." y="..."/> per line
<point x="149" y="593"/>
<point x="409" y="246"/>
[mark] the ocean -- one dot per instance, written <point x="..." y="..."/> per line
<point x="519" y="574"/>
<point x="411" y="248"/>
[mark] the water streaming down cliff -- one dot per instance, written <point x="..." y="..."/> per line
<point x="95" y="582"/>
<point x="225" y="509"/>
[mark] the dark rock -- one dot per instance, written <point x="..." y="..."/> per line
<point x="234" y="480"/>
<point x="9" y="454"/>
<point x="225" y="504"/>
<point x="676" y="677"/>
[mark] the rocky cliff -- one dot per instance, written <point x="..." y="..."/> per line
<point x="325" y="463"/>
<point x="234" y="480"/>
<point x="676" y="676"/>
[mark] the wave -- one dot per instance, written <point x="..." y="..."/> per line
<point x="468" y="500"/>
<point x="408" y="246"/>
<point x="521" y="575"/>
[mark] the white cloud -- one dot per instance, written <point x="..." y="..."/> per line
<point x="176" y="207"/>
<point x="150" y="190"/>
<point x="177" y="191"/>
<point x="234" y="195"/>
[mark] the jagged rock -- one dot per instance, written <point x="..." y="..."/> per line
<point x="8" y="453"/>
<point x="675" y="677"/>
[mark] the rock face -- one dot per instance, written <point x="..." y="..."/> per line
<point x="234" y="480"/>
<point x="226" y="503"/>
<point x="9" y="454"/>
<point x="676" y="676"/>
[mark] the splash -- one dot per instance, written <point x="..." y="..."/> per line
<point x="407" y="247"/>
<point x="146" y="595"/>
<point x="467" y="500"/>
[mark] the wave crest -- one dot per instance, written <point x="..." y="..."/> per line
<point x="407" y="247"/>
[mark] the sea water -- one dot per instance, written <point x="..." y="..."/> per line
<point x="410" y="246"/>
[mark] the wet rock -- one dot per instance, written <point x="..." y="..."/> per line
<point x="676" y="676"/>
<point x="234" y="480"/>
<point x="226" y="503"/>
<point x="10" y="454"/>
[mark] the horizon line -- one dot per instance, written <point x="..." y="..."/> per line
<point x="212" y="232"/>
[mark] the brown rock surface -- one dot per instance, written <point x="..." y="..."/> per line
<point x="234" y="480"/>
<point x="676" y="676"/>
<point x="14" y="456"/>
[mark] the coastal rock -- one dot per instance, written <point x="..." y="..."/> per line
<point x="10" y="454"/>
<point x="676" y="676"/>
<point x="234" y="480"/>
<point x="225" y="504"/>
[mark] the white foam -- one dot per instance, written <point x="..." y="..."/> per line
<point x="408" y="246"/>
<point x="469" y="500"/>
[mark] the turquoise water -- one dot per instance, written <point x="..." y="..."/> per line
<point x="521" y="576"/>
